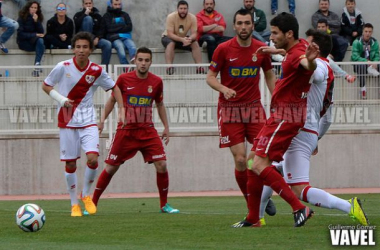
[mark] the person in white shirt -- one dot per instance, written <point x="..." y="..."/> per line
<point x="78" y="78"/>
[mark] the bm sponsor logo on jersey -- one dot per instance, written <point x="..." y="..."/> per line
<point x="243" y="72"/>
<point x="135" y="100"/>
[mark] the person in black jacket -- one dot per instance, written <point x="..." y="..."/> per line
<point x="116" y="27"/>
<point x="89" y="20"/>
<point x="59" y="29"/>
<point x="30" y="32"/>
<point x="352" y="22"/>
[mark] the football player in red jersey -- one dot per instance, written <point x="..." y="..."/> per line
<point x="287" y="117"/>
<point x="240" y="112"/>
<point x="139" y="89"/>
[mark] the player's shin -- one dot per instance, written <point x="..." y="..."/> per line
<point x="89" y="177"/>
<point x="163" y="187"/>
<point x="255" y="189"/>
<point x="101" y="185"/>
<point x="271" y="177"/>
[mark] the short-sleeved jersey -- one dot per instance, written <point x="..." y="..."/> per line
<point x="239" y="69"/>
<point x="180" y="26"/>
<point x="289" y="99"/>
<point x="317" y="93"/>
<point x="78" y="85"/>
<point x="138" y="96"/>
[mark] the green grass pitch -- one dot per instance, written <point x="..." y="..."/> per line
<point x="204" y="223"/>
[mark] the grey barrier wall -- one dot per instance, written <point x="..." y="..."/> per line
<point x="149" y="16"/>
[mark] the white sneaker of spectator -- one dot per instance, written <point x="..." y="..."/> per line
<point x="372" y="71"/>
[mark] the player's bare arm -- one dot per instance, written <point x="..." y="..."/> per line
<point x="215" y="84"/>
<point x="63" y="101"/>
<point x="119" y="99"/>
<point x="107" y="110"/>
<point x="312" y="52"/>
<point x="270" y="50"/>
<point x="164" y="119"/>
<point x="270" y="79"/>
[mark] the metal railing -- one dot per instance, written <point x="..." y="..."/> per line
<point x="190" y="102"/>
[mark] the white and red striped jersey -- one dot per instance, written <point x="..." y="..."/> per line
<point x="78" y="85"/>
<point x="321" y="87"/>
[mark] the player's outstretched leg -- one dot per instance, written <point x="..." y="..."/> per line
<point x="162" y="177"/>
<point x="357" y="212"/>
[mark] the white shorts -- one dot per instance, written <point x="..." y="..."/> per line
<point x="71" y="141"/>
<point x="296" y="164"/>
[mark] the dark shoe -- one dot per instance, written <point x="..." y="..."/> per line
<point x="271" y="208"/>
<point x="301" y="216"/>
<point x="200" y="70"/>
<point x="3" y="48"/>
<point x="245" y="223"/>
<point x="170" y="71"/>
<point x="274" y="12"/>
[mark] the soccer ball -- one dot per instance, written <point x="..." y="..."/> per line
<point x="30" y="217"/>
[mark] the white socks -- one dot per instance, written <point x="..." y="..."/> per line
<point x="89" y="177"/>
<point x="72" y="184"/>
<point x="321" y="198"/>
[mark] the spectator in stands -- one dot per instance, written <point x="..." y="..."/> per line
<point x="292" y="7"/>
<point x="260" y="21"/>
<point x="181" y="33"/>
<point x="30" y="34"/>
<point x="365" y="49"/>
<point x="211" y="26"/>
<point x="340" y="48"/>
<point x="10" y="27"/>
<point x="352" y="21"/>
<point x="116" y="26"/>
<point x="324" y="26"/>
<point x="89" y="20"/>
<point x="59" y="29"/>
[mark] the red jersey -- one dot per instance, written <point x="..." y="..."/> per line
<point x="240" y="69"/>
<point x="138" y="96"/>
<point x="289" y="99"/>
<point x="205" y="20"/>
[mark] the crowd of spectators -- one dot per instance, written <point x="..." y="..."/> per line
<point x="183" y="30"/>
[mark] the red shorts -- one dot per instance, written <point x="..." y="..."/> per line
<point x="239" y="123"/>
<point x="124" y="146"/>
<point x="275" y="138"/>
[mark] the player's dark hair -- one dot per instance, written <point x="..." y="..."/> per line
<point x="144" y="50"/>
<point x="182" y="2"/>
<point x="322" y="39"/>
<point x="368" y="25"/>
<point x="204" y="1"/>
<point x="92" y="1"/>
<point x="323" y="20"/>
<point x="243" y="12"/>
<point x="83" y="35"/>
<point x="324" y="1"/>
<point x="286" y="22"/>
<point x="351" y="1"/>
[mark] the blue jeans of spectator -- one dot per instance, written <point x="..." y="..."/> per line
<point x="106" y="47"/>
<point x="11" y="26"/>
<point x="120" y="45"/>
<point x="87" y="24"/>
<point x="38" y="47"/>
<point x="212" y="40"/>
<point x="261" y="36"/>
<point x="292" y="5"/>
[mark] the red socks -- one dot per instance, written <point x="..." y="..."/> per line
<point x="273" y="179"/>
<point x="103" y="181"/>
<point x="163" y="187"/>
<point x="241" y="179"/>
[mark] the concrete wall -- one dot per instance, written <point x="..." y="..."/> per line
<point x="32" y="166"/>
<point x="149" y="16"/>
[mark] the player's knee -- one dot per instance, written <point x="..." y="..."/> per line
<point x="297" y="190"/>
<point x="161" y="166"/>
<point x="71" y="166"/>
<point x="111" y="170"/>
<point x="241" y="162"/>
<point x="92" y="163"/>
